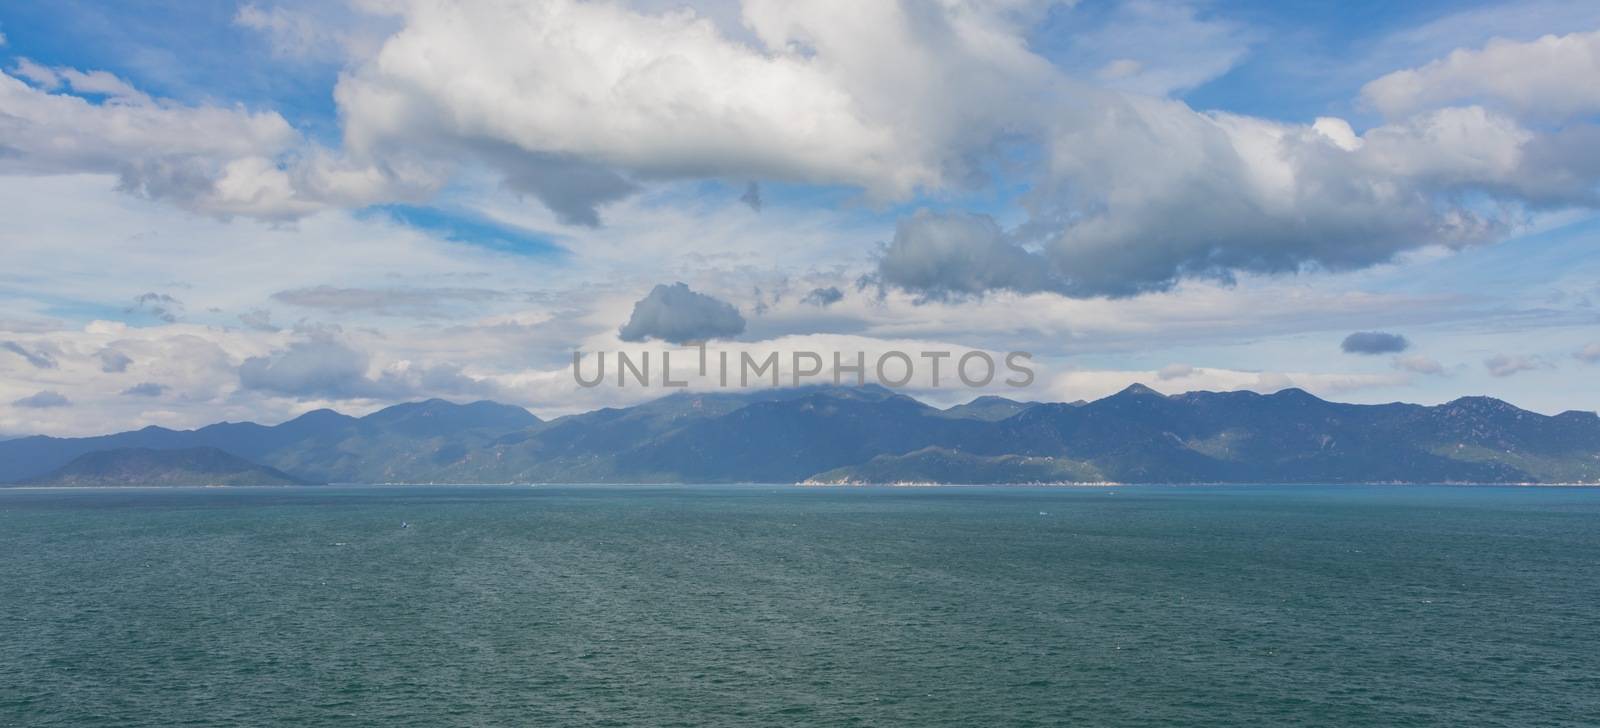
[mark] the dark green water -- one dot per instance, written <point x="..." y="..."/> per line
<point x="1353" y="606"/>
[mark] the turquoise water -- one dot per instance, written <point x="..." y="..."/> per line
<point x="1350" y="606"/>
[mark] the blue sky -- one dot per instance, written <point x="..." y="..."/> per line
<point x="450" y="198"/>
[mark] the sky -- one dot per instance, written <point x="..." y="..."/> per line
<point x="246" y="211"/>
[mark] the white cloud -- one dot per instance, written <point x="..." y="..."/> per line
<point x="583" y="105"/>
<point x="1174" y="371"/>
<point x="1552" y="76"/>
<point x="882" y="96"/>
<point x="1145" y="192"/>
<point x="216" y="160"/>
<point x="208" y="158"/>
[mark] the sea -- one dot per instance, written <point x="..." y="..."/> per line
<point x="779" y="605"/>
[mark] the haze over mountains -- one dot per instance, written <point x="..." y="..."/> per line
<point x="855" y="435"/>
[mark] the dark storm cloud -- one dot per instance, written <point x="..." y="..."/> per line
<point x="1374" y="342"/>
<point x="678" y="315"/>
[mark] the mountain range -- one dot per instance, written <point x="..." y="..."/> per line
<point x="863" y="435"/>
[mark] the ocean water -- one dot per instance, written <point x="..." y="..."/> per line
<point x="759" y="605"/>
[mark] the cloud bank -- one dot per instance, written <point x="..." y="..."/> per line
<point x="581" y="105"/>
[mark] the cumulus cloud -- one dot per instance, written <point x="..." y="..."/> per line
<point x="610" y="94"/>
<point x="823" y="297"/>
<point x="954" y="255"/>
<point x="145" y="389"/>
<point x="43" y="400"/>
<point x="1505" y="365"/>
<point x="113" y="361"/>
<point x="1141" y="193"/>
<point x="198" y="156"/>
<point x="1148" y="192"/>
<point x="399" y="301"/>
<point x="1547" y="77"/>
<point x="215" y="160"/>
<point x="1374" y="342"/>
<point x="39" y="359"/>
<point x="678" y="315"/>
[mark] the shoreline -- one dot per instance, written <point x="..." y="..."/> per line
<point x="808" y="485"/>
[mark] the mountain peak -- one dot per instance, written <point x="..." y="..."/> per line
<point x="321" y="415"/>
<point x="992" y="399"/>
<point x="1138" y="389"/>
<point x="1482" y="405"/>
<point x="1295" y="394"/>
<point x="989" y="407"/>
<point x="441" y="416"/>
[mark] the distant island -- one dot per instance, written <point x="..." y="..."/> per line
<point x="847" y="435"/>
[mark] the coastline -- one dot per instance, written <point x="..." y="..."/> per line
<point x="819" y="485"/>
